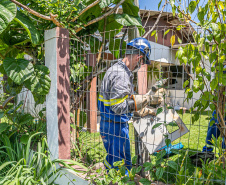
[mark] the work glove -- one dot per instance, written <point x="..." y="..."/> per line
<point x="141" y="101"/>
<point x="144" y="112"/>
<point x="159" y="93"/>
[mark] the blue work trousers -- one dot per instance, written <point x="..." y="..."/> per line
<point x="115" y="137"/>
<point x="212" y="130"/>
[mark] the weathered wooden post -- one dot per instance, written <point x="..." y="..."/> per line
<point x="92" y="97"/>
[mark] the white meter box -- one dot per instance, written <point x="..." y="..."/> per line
<point x="154" y="139"/>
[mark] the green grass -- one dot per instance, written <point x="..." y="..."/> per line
<point x="93" y="150"/>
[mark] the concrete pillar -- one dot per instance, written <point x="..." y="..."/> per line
<point x="142" y="78"/>
<point x="58" y="100"/>
<point x="92" y="98"/>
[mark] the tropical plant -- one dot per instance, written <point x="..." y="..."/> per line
<point x="117" y="174"/>
<point x="214" y="170"/>
<point x="15" y="122"/>
<point x="206" y="56"/>
<point x="24" y="164"/>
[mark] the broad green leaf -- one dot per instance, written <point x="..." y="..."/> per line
<point x="147" y="166"/>
<point x="214" y="26"/>
<point x="105" y="3"/>
<point x="39" y="82"/>
<point x="213" y="84"/>
<point x="170" y="107"/>
<point x="196" y="86"/>
<point x="13" y="37"/>
<point x="28" y="25"/>
<point x="134" y="160"/>
<point x="172" y="2"/>
<point x="154" y="32"/>
<point x="128" y="20"/>
<point x="159" y="110"/>
<point x="42" y="68"/>
<point x="145" y="181"/>
<point x="190" y="94"/>
<point x="12" y="88"/>
<point x="167" y="141"/>
<point x="185" y="83"/>
<point x="179" y="40"/>
<point x="159" y="172"/>
<point x="18" y="70"/>
<point x="123" y="170"/>
<point x="201" y="15"/>
<point x="210" y="37"/>
<point x="192" y="6"/>
<point x="179" y="53"/>
<point x="112" y="27"/>
<point x="173" y="124"/>
<point x="138" y="169"/>
<point x="7" y="13"/>
<point x="129" y="8"/>
<point x="156" y="125"/>
<point x="172" y="40"/>
<point x="156" y="37"/>
<point x="91" y="13"/>
<point x="125" y="179"/>
<point x="24" y="118"/>
<point x="160" y="2"/>
<point x="173" y="164"/>
<point x="3" y="127"/>
<point x="118" y="163"/>
<point x="167" y="31"/>
<point x="141" y="30"/>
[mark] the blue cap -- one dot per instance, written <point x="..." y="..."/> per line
<point x="143" y="45"/>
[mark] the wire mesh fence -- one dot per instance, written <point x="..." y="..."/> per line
<point x="171" y="137"/>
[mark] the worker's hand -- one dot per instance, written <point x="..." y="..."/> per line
<point x="144" y="112"/>
<point x="142" y="100"/>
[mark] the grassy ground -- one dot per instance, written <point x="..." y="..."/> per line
<point x="93" y="150"/>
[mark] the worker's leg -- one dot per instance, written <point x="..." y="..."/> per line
<point x="212" y="130"/>
<point x="115" y="137"/>
<point x="125" y="146"/>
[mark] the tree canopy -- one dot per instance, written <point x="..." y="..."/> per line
<point x="22" y="26"/>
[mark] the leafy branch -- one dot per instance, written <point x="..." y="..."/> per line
<point x="85" y="9"/>
<point x="49" y="18"/>
<point x="156" y="22"/>
<point x="101" y="17"/>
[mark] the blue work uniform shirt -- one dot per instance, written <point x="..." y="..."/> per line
<point x="116" y="87"/>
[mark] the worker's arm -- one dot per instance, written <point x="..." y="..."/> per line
<point x="120" y="96"/>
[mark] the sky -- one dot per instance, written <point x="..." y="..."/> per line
<point x="149" y="4"/>
<point x="153" y="5"/>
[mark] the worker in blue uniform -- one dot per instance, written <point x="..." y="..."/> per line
<point x="117" y="101"/>
<point x="213" y="129"/>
